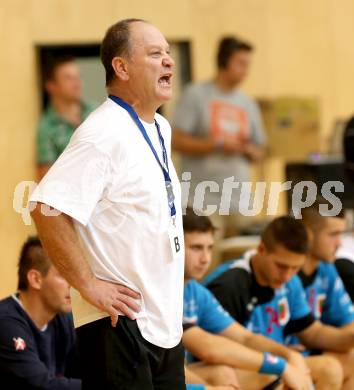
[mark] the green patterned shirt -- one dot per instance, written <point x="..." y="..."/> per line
<point x="54" y="133"/>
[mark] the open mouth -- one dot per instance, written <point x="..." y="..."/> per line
<point x="165" y="80"/>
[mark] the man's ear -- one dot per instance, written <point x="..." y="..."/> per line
<point x="49" y="86"/>
<point x="261" y="249"/>
<point x="35" y="279"/>
<point x="119" y="64"/>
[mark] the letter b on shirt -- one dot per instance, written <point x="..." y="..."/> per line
<point x="177" y="244"/>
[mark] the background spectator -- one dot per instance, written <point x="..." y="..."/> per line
<point x="218" y="129"/>
<point x="37" y="338"/>
<point x="64" y="113"/>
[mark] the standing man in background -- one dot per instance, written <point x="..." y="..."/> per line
<point x="64" y="113"/>
<point x="117" y="236"/>
<point x="218" y="129"/>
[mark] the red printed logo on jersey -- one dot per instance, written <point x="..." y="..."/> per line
<point x="316" y="302"/>
<point x="321" y="298"/>
<point x="284" y="313"/>
<point x="19" y="343"/>
<point x="280" y="316"/>
<point x="273" y="319"/>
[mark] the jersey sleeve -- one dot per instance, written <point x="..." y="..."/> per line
<point x="300" y="312"/>
<point x="338" y="309"/>
<point x="186" y="116"/>
<point x="19" y="359"/>
<point x="213" y="317"/>
<point x="232" y="290"/>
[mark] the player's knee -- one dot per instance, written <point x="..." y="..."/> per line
<point x="347" y="361"/>
<point x="332" y="372"/>
<point x="225" y="374"/>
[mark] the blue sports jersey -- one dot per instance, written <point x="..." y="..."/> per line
<point x="327" y="297"/>
<point x="288" y="304"/>
<point x="273" y="313"/>
<point x="218" y="271"/>
<point x="201" y="308"/>
<point x="195" y="387"/>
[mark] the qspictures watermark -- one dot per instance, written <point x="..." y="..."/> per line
<point x="251" y="198"/>
<point x="254" y="198"/>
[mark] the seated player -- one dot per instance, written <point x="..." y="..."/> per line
<point x="37" y="339"/>
<point x="326" y="295"/>
<point x="345" y="254"/>
<point x="213" y="337"/>
<point x="345" y="262"/>
<point x="263" y="293"/>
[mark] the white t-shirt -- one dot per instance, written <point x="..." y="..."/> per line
<point x="109" y="182"/>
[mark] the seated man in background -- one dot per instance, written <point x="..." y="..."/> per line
<point x="326" y="295"/>
<point x="345" y="262"/>
<point x="37" y="339"/>
<point x="64" y="113"/>
<point x="213" y="337"/>
<point x="263" y="292"/>
<point x="345" y="254"/>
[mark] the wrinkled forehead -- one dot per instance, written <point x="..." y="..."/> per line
<point x="145" y="35"/>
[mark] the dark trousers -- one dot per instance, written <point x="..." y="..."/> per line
<point x="121" y="359"/>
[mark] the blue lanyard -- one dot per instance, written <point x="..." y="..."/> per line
<point x="165" y="169"/>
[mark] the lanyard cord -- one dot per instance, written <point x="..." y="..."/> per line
<point x="166" y="173"/>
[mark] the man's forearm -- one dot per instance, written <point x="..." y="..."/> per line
<point x="254" y="152"/>
<point x="265" y="344"/>
<point x="191" y="145"/>
<point x="217" y="349"/>
<point x="328" y="338"/>
<point x="61" y="242"/>
<point x="192" y="377"/>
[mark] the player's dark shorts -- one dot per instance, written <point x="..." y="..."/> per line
<point x="120" y="358"/>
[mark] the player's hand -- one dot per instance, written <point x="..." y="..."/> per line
<point x="295" y="379"/>
<point x="297" y="347"/>
<point x="111" y="298"/>
<point x="297" y="360"/>
<point x="252" y="152"/>
<point x="233" y="145"/>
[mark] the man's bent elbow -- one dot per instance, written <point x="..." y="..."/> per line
<point x="41" y="211"/>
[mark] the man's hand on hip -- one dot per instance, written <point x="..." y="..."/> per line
<point x="111" y="298"/>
